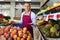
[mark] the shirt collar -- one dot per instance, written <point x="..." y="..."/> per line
<point x="28" y="12"/>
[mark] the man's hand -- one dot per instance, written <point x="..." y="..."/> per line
<point x="11" y="22"/>
<point x="30" y="24"/>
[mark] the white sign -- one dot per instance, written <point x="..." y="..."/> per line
<point x="27" y="0"/>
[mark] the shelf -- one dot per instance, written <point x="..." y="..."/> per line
<point x="47" y="10"/>
<point x="31" y="7"/>
<point x="4" y="8"/>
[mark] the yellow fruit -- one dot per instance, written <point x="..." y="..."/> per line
<point x="24" y="29"/>
<point x="39" y="21"/>
<point x="53" y="29"/>
<point x="48" y="25"/>
<point x="11" y="30"/>
<point x="15" y="36"/>
<point x="4" y="20"/>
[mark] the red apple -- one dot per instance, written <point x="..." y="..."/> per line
<point x="20" y="35"/>
<point x="8" y="26"/>
<point x="20" y="32"/>
<point x="6" y="35"/>
<point x="29" y="37"/>
<point x="1" y="31"/>
<point x="6" y="30"/>
<point x="3" y="27"/>
<point x="9" y="38"/>
<point x="18" y="28"/>
<point x="14" y="28"/>
<point x="15" y="31"/>
<point x="12" y="34"/>
<point x="24" y="36"/>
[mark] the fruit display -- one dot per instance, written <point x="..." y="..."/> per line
<point x="41" y="22"/>
<point x="51" y="29"/>
<point x="3" y="22"/>
<point x="55" y="5"/>
<point x="14" y="33"/>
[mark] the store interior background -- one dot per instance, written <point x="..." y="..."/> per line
<point x="14" y="8"/>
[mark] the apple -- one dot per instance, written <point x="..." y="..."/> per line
<point x="20" y="35"/>
<point x="1" y="31"/>
<point x="14" y="28"/>
<point x="14" y="36"/>
<point x="20" y="32"/>
<point x="3" y="27"/>
<point x="24" y="36"/>
<point x="18" y="28"/>
<point x="6" y="30"/>
<point x="6" y="35"/>
<point x="8" y="26"/>
<point x="18" y="38"/>
<point x="29" y="37"/>
<point x="15" y="31"/>
<point x="28" y="32"/>
<point x="24" y="29"/>
<point x="11" y="30"/>
<point x="2" y="37"/>
<point x="9" y="38"/>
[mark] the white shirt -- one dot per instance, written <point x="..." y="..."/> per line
<point x="33" y="18"/>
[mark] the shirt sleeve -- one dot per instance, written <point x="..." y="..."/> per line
<point x="33" y="18"/>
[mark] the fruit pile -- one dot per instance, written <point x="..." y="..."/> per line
<point x="51" y="29"/>
<point x="3" y="22"/>
<point x="14" y="33"/>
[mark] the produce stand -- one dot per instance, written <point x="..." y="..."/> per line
<point x="49" y="25"/>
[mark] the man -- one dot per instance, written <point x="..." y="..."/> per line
<point x="28" y="18"/>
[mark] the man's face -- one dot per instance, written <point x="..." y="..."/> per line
<point x="26" y="7"/>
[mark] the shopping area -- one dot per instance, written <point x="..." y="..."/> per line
<point x="47" y="15"/>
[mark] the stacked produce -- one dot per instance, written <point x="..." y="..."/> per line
<point x="14" y="33"/>
<point x="50" y="28"/>
<point x="3" y="22"/>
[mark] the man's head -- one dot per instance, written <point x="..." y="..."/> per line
<point x="27" y="7"/>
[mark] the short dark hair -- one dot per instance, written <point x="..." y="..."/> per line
<point x="28" y="3"/>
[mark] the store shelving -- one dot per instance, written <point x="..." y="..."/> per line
<point x="48" y="9"/>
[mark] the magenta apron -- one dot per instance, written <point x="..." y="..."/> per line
<point x="26" y="20"/>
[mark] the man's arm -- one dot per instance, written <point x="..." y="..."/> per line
<point x="33" y="18"/>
